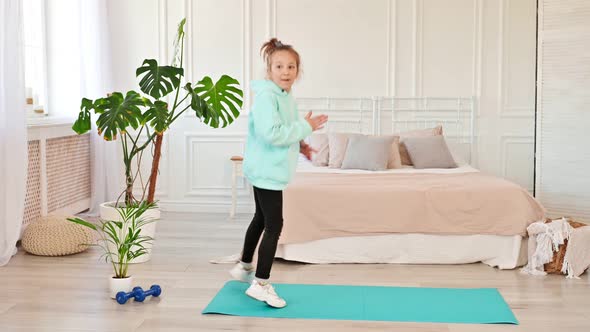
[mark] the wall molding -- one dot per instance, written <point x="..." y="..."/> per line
<point x="246" y="52"/>
<point x="506" y="140"/>
<point x="505" y="110"/>
<point x="163" y="31"/>
<point x="516" y="112"/>
<point x="190" y="42"/>
<point x="192" y="161"/>
<point x="501" y="27"/>
<point x="390" y="82"/>
<point x="417" y="46"/>
<point x="477" y="54"/>
<point x="271" y="23"/>
<point x="418" y="49"/>
<point x="208" y="206"/>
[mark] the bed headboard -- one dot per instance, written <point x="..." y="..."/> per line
<point x="392" y="115"/>
<point x="356" y="115"/>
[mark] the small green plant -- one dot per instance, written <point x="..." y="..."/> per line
<point x="121" y="241"/>
<point x="133" y="117"/>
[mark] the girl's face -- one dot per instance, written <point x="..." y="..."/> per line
<point x="283" y="69"/>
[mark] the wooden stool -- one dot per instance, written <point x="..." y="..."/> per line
<point x="237" y="171"/>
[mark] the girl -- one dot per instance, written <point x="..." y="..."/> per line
<point x="275" y="136"/>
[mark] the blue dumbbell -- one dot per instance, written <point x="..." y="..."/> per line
<point x="122" y="297"/>
<point x="140" y="294"/>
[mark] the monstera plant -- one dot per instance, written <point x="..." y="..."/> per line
<point x="139" y="120"/>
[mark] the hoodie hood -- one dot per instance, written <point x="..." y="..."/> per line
<point x="259" y="86"/>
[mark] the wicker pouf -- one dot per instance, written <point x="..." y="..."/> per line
<point x="55" y="236"/>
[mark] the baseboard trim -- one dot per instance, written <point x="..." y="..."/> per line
<point x="207" y="207"/>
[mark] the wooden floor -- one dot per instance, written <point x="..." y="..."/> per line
<point x="70" y="293"/>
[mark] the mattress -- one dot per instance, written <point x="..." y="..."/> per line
<point x="504" y="252"/>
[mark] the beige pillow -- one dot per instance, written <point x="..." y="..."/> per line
<point x="405" y="157"/>
<point x="319" y="142"/>
<point x="395" y="159"/>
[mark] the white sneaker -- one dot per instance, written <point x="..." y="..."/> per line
<point x="265" y="293"/>
<point x="240" y="273"/>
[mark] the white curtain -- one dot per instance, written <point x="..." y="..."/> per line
<point x="96" y="82"/>
<point x="13" y="128"/>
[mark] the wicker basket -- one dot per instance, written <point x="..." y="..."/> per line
<point x="556" y="263"/>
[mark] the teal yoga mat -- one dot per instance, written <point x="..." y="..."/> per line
<point x="370" y="303"/>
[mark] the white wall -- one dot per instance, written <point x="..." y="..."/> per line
<point x="349" y="48"/>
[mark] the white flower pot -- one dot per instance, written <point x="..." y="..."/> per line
<point x="108" y="212"/>
<point x="117" y="285"/>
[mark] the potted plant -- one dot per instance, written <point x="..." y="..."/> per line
<point x="140" y="120"/>
<point x="122" y="241"/>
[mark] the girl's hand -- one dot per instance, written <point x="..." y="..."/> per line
<point x="317" y="122"/>
<point x="306" y="150"/>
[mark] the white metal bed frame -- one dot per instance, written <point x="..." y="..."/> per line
<point x="393" y="115"/>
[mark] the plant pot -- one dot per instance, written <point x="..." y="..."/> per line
<point x="108" y="212"/>
<point x="119" y="285"/>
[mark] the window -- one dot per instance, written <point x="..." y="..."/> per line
<point x="35" y="57"/>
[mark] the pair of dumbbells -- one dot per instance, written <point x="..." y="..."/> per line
<point x="139" y="294"/>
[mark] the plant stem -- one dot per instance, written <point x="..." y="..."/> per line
<point x="155" y="163"/>
<point x="143" y="186"/>
<point x="177" y="115"/>
<point x="150" y="138"/>
<point x="127" y="157"/>
<point x="137" y="138"/>
<point x="160" y="136"/>
<point x="175" y="104"/>
<point x="104" y="239"/>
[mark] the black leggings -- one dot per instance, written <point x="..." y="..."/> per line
<point x="268" y="218"/>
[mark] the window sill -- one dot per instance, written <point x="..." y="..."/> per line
<point x="48" y="121"/>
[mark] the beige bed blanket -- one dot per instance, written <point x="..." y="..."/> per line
<point x="325" y="205"/>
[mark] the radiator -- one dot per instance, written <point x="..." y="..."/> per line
<point x="58" y="173"/>
<point x="33" y="196"/>
<point x="68" y="172"/>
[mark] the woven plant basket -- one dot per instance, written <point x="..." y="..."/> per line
<point x="554" y="267"/>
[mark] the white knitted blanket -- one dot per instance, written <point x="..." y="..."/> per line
<point x="544" y="240"/>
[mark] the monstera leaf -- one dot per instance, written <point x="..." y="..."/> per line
<point x="118" y="113"/>
<point x="197" y="103"/>
<point x="82" y="125"/>
<point x="158" y="81"/>
<point x="217" y="103"/>
<point x="157" y="115"/>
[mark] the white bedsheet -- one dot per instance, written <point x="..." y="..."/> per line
<point x="305" y="166"/>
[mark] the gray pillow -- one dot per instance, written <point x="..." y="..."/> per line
<point x="429" y="152"/>
<point x="368" y="152"/>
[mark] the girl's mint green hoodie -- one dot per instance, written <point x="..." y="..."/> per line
<point x="274" y="131"/>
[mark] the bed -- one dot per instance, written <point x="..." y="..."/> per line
<point x="405" y="215"/>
